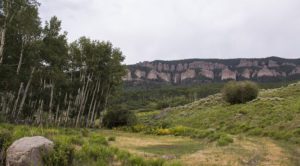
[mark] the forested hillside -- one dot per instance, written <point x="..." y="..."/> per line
<point x="47" y="81"/>
<point x="148" y="97"/>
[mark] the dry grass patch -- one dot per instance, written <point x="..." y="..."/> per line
<point x="242" y="152"/>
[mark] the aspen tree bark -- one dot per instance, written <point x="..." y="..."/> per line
<point x="97" y="105"/>
<point x="10" y="99"/>
<point x="91" y="104"/>
<point x="83" y="106"/>
<point x="106" y="97"/>
<point x="21" y="57"/>
<point x="41" y="112"/>
<point x="93" y="114"/>
<point x="17" y="100"/>
<point x="82" y="101"/>
<point x="3" y="32"/>
<point x="25" y="93"/>
<point x="50" y="103"/>
<point x="3" y="99"/>
<point x="56" y="114"/>
<point x="67" y="115"/>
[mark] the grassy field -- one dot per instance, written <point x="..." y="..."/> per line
<point x="265" y="131"/>
<point x="186" y="151"/>
<point x="112" y="147"/>
<point x="78" y="147"/>
<point x="275" y="113"/>
<point x="273" y="117"/>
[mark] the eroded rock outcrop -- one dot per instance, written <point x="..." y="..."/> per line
<point x="207" y="73"/>
<point x="165" y="76"/>
<point x="228" y="74"/>
<point x="266" y="72"/>
<point x="140" y="74"/>
<point x="179" y="67"/>
<point x="272" y="63"/>
<point x="247" y="63"/>
<point x="152" y="75"/>
<point x="185" y="71"/>
<point x="173" y="67"/>
<point x="176" y="78"/>
<point x="189" y="74"/>
<point x="28" y="151"/>
<point x="166" y="67"/>
<point x="295" y="71"/>
<point x="160" y="67"/>
<point x="246" y="74"/>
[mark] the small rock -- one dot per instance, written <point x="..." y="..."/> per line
<point x="28" y="151"/>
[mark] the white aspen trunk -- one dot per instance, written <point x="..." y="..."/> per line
<point x="67" y="115"/>
<point x="3" y="99"/>
<point x="41" y="112"/>
<point x="94" y="107"/>
<point x="105" y="102"/>
<point x="50" y="103"/>
<point x="3" y="32"/>
<point x="38" y="119"/>
<point x="25" y="93"/>
<point x="82" y="101"/>
<point x="21" y="56"/>
<point x="10" y="99"/>
<point x="94" y="114"/>
<point x="56" y="114"/>
<point x="65" y="99"/>
<point x="2" y="41"/>
<point x="77" y="97"/>
<point x="17" y="100"/>
<point x="106" y="97"/>
<point x="91" y="104"/>
<point x="82" y="108"/>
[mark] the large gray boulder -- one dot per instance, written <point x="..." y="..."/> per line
<point x="28" y="151"/>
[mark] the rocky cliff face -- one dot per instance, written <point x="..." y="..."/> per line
<point x="204" y="70"/>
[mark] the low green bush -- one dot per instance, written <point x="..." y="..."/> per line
<point x="76" y="140"/>
<point x="163" y="132"/>
<point x="62" y="155"/>
<point x="111" y="138"/>
<point x="91" y="154"/>
<point x="85" y="132"/>
<point x="5" y="138"/>
<point x="239" y="92"/>
<point x="182" y="131"/>
<point x="224" y="140"/>
<point x="98" y="140"/>
<point x="116" y="118"/>
<point x="256" y="132"/>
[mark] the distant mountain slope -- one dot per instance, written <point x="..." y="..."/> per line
<point x="214" y="70"/>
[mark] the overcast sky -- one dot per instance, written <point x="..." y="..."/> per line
<point x="148" y="30"/>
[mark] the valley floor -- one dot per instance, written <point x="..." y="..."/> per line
<point x="111" y="147"/>
<point x="187" y="151"/>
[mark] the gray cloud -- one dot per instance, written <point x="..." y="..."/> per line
<point x="180" y="29"/>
